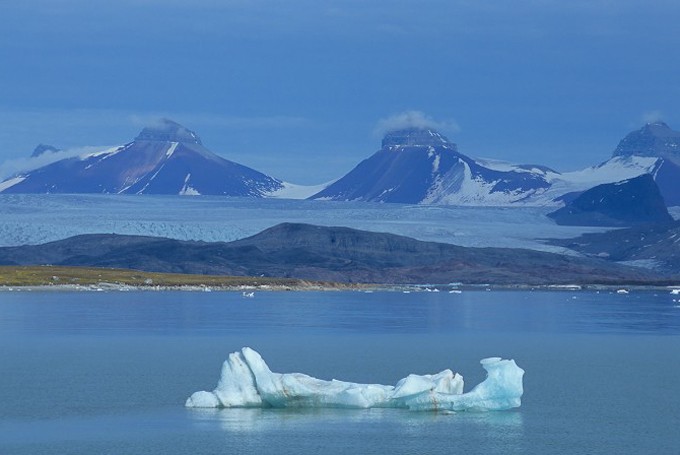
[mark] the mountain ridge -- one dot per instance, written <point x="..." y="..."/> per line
<point x="629" y="202"/>
<point x="293" y="250"/>
<point x="419" y="165"/>
<point x="165" y="158"/>
<point x="415" y="165"/>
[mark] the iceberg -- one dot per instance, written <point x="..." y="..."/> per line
<point x="247" y="381"/>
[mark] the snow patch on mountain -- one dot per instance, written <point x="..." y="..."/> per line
<point x="462" y="187"/>
<point x="293" y="191"/>
<point x="171" y="149"/>
<point x="435" y="163"/>
<point x="616" y="169"/>
<point x="11" y="182"/>
<point x="104" y="153"/>
<point x="187" y="189"/>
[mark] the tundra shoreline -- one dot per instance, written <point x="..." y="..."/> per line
<point x="59" y="278"/>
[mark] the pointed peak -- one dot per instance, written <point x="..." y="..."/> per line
<point x="414" y="136"/>
<point x="658" y="123"/>
<point x="166" y="130"/>
<point x="653" y="139"/>
<point x="42" y="149"/>
<point x="657" y="127"/>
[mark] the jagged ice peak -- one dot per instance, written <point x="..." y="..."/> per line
<point x="167" y="130"/>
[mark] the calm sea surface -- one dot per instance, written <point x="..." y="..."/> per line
<point x="108" y="372"/>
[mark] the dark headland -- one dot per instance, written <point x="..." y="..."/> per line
<point x="332" y="255"/>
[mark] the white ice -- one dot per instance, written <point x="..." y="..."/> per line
<point x="39" y="218"/>
<point x="247" y="381"/>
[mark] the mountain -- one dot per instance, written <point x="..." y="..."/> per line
<point x="41" y="149"/>
<point x="656" y="245"/>
<point x="413" y="166"/>
<point x="653" y="149"/>
<point x="627" y="203"/>
<point x="330" y="254"/>
<point x="655" y="139"/>
<point x="165" y="158"/>
<point x="421" y="166"/>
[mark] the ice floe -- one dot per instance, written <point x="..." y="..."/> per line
<point x="247" y="381"/>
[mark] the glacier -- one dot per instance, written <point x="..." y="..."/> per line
<point x="247" y="381"/>
<point x="29" y="219"/>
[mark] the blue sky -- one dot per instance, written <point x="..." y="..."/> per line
<point x="298" y="89"/>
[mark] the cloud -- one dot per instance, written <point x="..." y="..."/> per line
<point x="414" y="119"/>
<point x="20" y="165"/>
<point x="652" y="116"/>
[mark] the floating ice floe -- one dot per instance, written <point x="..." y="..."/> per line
<point x="247" y="381"/>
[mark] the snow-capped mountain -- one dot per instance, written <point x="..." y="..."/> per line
<point x="654" y="139"/>
<point x="166" y="158"/>
<point x="419" y="165"/>
<point x="653" y="149"/>
<point x="631" y="202"/>
<point x="415" y="165"/>
<point x="657" y="140"/>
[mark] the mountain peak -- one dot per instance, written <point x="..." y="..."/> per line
<point x="659" y="129"/>
<point x="42" y="149"/>
<point x="414" y="136"/>
<point x="166" y="130"/>
<point x="630" y="202"/>
<point x="657" y="125"/>
<point x="655" y="139"/>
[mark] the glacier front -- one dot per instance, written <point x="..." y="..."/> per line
<point x="247" y="381"/>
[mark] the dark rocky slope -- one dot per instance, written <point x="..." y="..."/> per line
<point x="658" y="245"/>
<point x="330" y="254"/>
<point x="657" y="140"/>
<point x="419" y="165"/>
<point x="627" y="203"/>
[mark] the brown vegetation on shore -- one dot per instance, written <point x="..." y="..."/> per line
<point x="92" y="276"/>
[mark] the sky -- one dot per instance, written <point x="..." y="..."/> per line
<point x="302" y="89"/>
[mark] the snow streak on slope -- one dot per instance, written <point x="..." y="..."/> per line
<point x="11" y="182"/>
<point x="187" y="189"/>
<point x="461" y="187"/>
<point x="293" y="191"/>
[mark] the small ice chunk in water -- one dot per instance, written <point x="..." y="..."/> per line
<point x="247" y="381"/>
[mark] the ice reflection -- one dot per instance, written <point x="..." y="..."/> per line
<point x="254" y="420"/>
<point x="506" y="425"/>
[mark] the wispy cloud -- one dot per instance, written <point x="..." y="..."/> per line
<point x="74" y="129"/>
<point x="19" y="165"/>
<point x="414" y="119"/>
<point x="652" y="116"/>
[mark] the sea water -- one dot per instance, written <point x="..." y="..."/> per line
<point x="108" y="372"/>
